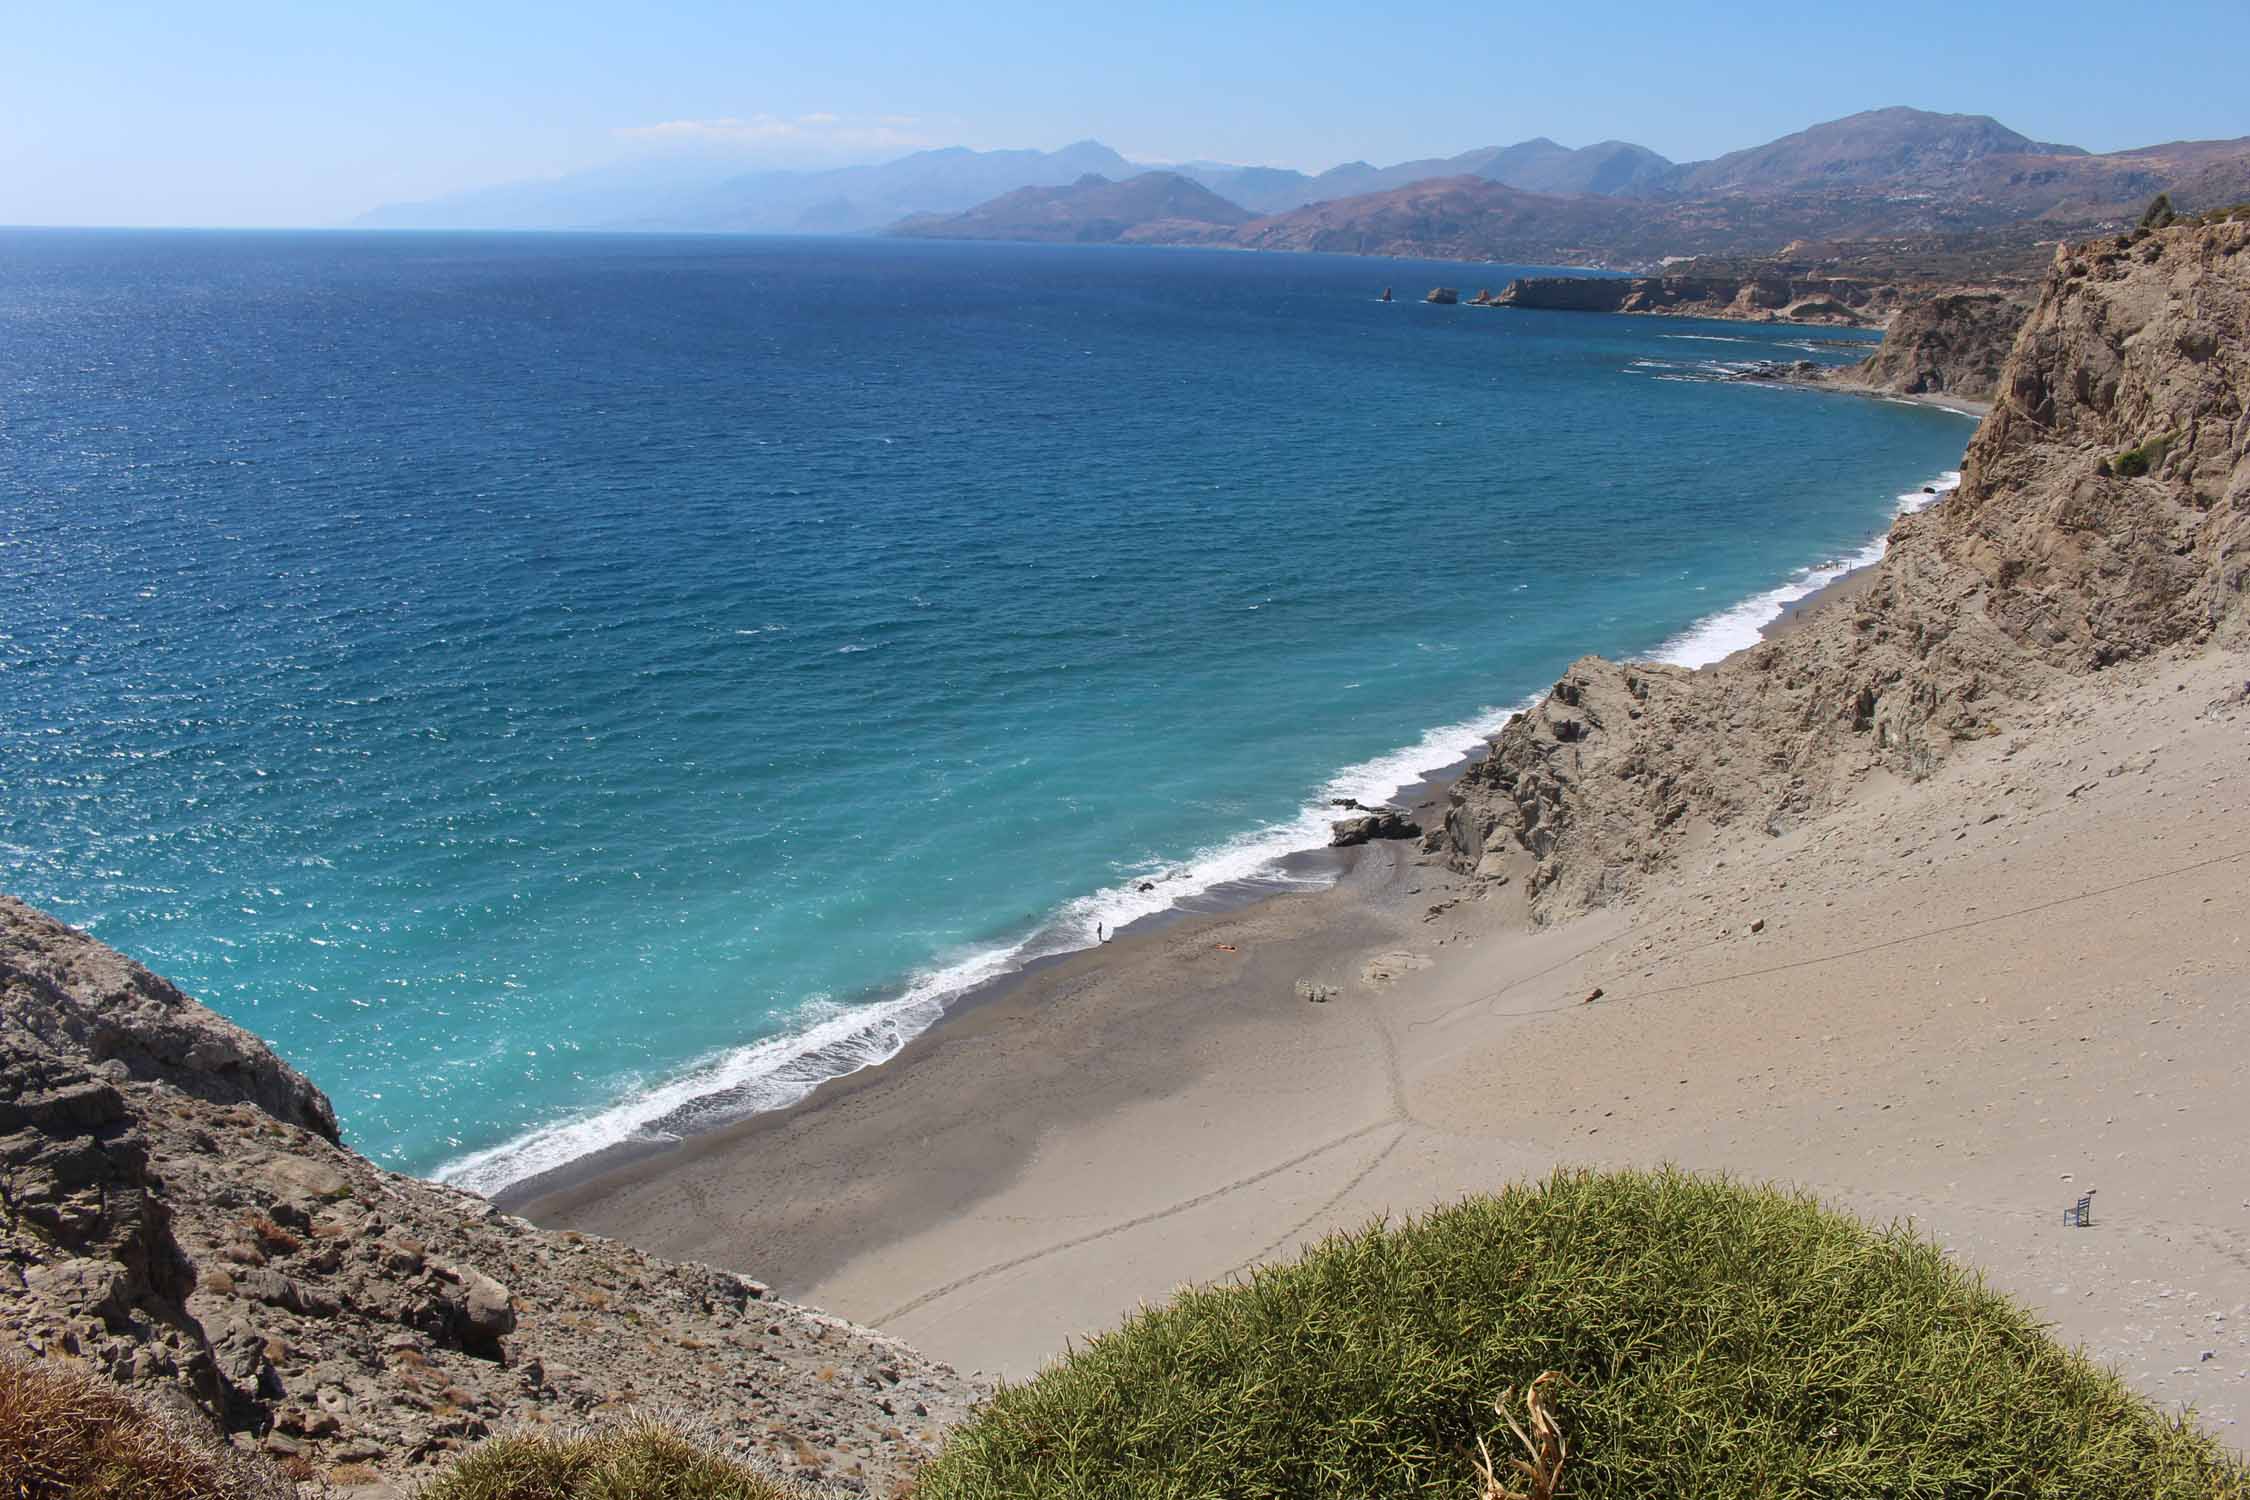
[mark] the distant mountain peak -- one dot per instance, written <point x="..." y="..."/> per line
<point x="1093" y="210"/>
<point x="1895" y="143"/>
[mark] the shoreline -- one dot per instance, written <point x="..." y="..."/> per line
<point x="1290" y="874"/>
<point x="1175" y="1107"/>
<point x="1332" y="868"/>
<point x="1960" y="406"/>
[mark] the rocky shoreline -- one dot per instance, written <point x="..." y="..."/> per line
<point x="1778" y="298"/>
<point x="2043" y="562"/>
<point x="1937" y="341"/>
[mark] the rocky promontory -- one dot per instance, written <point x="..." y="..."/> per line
<point x="1765" y="299"/>
<point x="2103" y="515"/>
<point x="180" y="1215"/>
<point x="1952" y="343"/>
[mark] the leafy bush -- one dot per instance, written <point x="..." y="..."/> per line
<point x="65" y="1432"/>
<point x="640" y="1461"/>
<point x="1679" y="1336"/>
<point x="2134" y="462"/>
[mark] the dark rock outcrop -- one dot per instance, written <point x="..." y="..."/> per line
<point x="1380" y="823"/>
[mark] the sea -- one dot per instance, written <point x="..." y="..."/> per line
<point x="565" y="690"/>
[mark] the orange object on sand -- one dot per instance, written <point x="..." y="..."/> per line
<point x="1224" y="947"/>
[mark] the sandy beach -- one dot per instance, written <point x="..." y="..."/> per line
<point x="1932" y="904"/>
<point x="1962" y="1002"/>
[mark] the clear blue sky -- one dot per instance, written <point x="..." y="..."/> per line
<point x="239" y="112"/>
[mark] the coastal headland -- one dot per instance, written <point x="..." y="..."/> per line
<point x="1933" y="904"/>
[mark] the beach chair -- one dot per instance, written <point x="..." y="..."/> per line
<point x="2080" y="1215"/>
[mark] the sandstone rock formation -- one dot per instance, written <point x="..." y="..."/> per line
<point x="176" y="1211"/>
<point x="2055" y="556"/>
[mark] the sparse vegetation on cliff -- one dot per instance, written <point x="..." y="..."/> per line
<point x="1704" y="1338"/>
<point x="2142" y="457"/>
<point x="64" y="1431"/>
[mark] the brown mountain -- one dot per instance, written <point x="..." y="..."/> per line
<point x="1468" y="218"/>
<point x="2201" y="174"/>
<point x="1453" y="218"/>
<point x="1905" y="177"/>
<point x="1161" y="206"/>
<point x="1894" y="145"/>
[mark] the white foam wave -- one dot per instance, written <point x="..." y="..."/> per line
<point x="827" y="1040"/>
<point x="1720" y="635"/>
<point x="1929" y="405"/>
<point x="1710" y="338"/>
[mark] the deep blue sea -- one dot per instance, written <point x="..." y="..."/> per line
<point x="555" y="687"/>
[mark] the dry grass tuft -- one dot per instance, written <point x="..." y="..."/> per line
<point x="271" y="1237"/>
<point x="642" y="1460"/>
<point x="1545" y="1444"/>
<point x="65" y="1432"/>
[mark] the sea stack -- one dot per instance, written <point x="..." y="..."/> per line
<point x="1443" y="296"/>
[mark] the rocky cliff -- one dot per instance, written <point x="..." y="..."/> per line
<point x="1950" y="343"/>
<point x="177" y="1212"/>
<point x="2103" y="514"/>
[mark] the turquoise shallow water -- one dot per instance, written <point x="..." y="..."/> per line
<point x="555" y="687"/>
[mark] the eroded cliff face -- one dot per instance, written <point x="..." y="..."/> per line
<point x="2104" y="514"/>
<point x="1952" y="343"/>
<point x="176" y="1211"/>
<point x="77" y="997"/>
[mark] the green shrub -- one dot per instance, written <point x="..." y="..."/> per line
<point x="1710" y="1340"/>
<point x="2134" y="462"/>
<point x="65" y="1432"/>
<point x="640" y="1461"/>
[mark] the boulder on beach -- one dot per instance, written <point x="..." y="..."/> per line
<point x="1378" y="823"/>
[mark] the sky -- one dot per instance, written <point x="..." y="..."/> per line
<point x="262" y="113"/>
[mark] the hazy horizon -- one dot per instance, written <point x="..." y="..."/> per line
<point x="256" y="115"/>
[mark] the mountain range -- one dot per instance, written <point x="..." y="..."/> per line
<point x="1885" y="173"/>
<point x="710" y="194"/>
<point x="1939" y="183"/>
